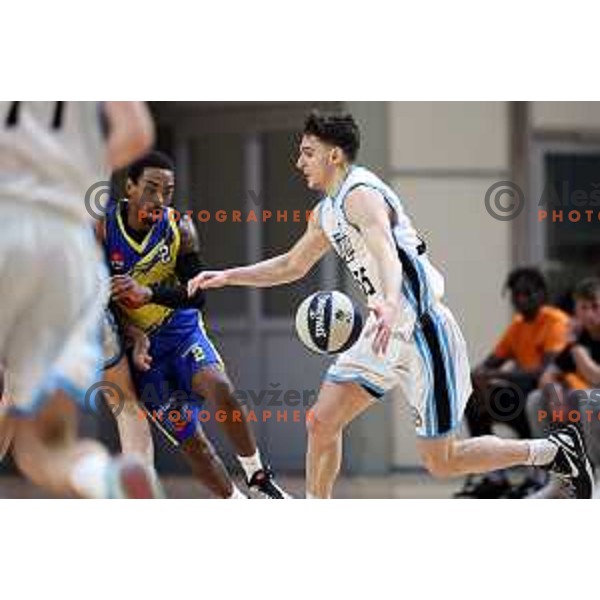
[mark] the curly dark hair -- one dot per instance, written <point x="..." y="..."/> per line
<point x="337" y="129"/>
<point x="530" y="274"/>
<point x="152" y="160"/>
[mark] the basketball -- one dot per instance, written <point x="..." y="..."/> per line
<point x="328" y="322"/>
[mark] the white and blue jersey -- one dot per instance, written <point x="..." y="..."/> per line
<point x="427" y="355"/>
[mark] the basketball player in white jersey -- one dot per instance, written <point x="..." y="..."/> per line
<point x="410" y="338"/>
<point x="53" y="285"/>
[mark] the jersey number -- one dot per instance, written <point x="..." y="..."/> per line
<point x="12" y="119"/>
<point x="364" y="281"/>
<point x="164" y="254"/>
<point x="197" y="353"/>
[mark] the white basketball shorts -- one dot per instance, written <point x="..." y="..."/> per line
<point x="53" y="286"/>
<point x="431" y="367"/>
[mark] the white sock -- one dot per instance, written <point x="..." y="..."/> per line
<point x="310" y="496"/>
<point x="88" y="476"/>
<point x="251" y="464"/>
<point x="237" y="495"/>
<point x="541" y="452"/>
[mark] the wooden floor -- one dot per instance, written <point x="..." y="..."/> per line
<point x="395" y="486"/>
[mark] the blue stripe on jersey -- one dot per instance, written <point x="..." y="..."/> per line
<point x="443" y="402"/>
<point x="433" y="346"/>
<point x="430" y="418"/>
<point x="426" y="300"/>
<point x="449" y="365"/>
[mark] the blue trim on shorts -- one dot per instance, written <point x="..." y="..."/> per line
<point x="56" y="381"/>
<point x="368" y="386"/>
<point x="42" y="395"/>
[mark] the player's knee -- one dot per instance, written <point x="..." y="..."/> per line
<point x="322" y="429"/>
<point x="439" y="468"/>
<point x="439" y="463"/>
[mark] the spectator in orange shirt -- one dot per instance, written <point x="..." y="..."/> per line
<point x="537" y="334"/>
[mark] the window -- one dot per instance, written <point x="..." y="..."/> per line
<point x="284" y="190"/>
<point x="216" y="183"/>
<point x="572" y="187"/>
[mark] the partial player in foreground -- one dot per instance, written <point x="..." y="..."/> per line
<point x="410" y="339"/>
<point x="52" y="284"/>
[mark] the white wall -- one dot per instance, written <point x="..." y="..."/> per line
<point x="571" y="116"/>
<point x="449" y="136"/>
<point x="443" y="157"/>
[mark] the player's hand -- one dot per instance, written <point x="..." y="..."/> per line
<point x="141" y="353"/>
<point x="128" y="292"/>
<point x="207" y="280"/>
<point x="387" y="314"/>
<point x="140" y="344"/>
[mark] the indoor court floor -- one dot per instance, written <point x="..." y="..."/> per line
<point x="419" y="486"/>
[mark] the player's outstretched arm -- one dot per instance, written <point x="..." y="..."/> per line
<point x="130" y="132"/>
<point x="285" y="268"/>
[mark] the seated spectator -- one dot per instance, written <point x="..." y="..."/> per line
<point x="570" y="386"/>
<point x="537" y="333"/>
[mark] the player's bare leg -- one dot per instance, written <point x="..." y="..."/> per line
<point x="563" y="453"/>
<point x="213" y="384"/>
<point x="200" y="455"/>
<point x="134" y="430"/>
<point x="451" y="457"/>
<point x="337" y="406"/>
<point x="207" y="466"/>
<point x="47" y="451"/>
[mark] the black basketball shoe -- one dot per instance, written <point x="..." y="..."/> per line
<point x="263" y="483"/>
<point x="571" y="460"/>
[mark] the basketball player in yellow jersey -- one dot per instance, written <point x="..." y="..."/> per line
<point x="52" y="284"/>
<point x="411" y="339"/>
<point x="152" y="258"/>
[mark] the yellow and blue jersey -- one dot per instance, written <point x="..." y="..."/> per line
<point x="179" y="346"/>
<point x="149" y="261"/>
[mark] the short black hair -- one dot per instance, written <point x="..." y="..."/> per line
<point x="152" y="160"/>
<point x="337" y="129"/>
<point x="587" y="289"/>
<point x="530" y="274"/>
